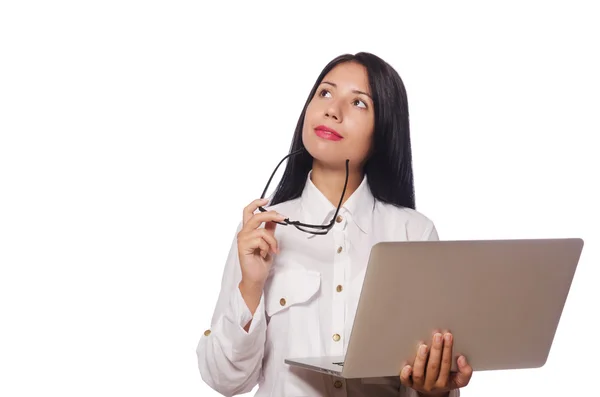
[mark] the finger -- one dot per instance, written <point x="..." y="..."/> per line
<point x="418" y="372"/>
<point x="435" y="331"/>
<point x="250" y="208"/>
<point x="257" y="219"/>
<point x="444" y="375"/>
<point x="269" y="238"/>
<point x="463" y="376"/>
<point x="270" y="227"/>
<point x="434" y="362"/>
<point x="405" y="377"/>
<point x="256" y="243"/>
<point x="248" y="241"/>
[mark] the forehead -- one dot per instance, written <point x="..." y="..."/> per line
<point x="349" y="75"/>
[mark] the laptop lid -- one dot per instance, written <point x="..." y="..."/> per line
<point x="502" y="301"/>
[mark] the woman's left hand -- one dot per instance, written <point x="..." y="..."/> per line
<point x="430" y="374"/>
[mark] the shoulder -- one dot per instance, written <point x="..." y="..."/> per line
<point x="416" y="225"/>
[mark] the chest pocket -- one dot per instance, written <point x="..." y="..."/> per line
<point x="288" y="288"/>
<point x="292" y="309"/>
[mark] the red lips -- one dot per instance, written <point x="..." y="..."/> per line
<point x="325" y="132"/>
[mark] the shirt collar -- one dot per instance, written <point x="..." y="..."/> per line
<point x="317" y="209"/>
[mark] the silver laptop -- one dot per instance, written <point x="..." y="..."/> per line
<point x="501" y="299"/>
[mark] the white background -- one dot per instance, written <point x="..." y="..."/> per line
<point x="133" y="134"/>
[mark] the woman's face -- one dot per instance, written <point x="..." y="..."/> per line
<point x="339" y="119"/>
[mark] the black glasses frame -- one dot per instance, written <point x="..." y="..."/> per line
<point x="304" y="227"/>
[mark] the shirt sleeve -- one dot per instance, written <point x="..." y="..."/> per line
<point x="229" y="358"/>
<point x="431" y="233"/>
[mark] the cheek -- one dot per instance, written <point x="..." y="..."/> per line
<point x="310" y="120"/>
<point x="363" y="138"/>
<point x="307" y="122"/>
<point x="362" y="149"/>
<point x="305" y="133"/>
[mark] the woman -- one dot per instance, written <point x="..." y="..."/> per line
<point x="292" y="279"/>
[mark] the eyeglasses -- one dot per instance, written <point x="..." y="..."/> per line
<point x="305" y="227"/>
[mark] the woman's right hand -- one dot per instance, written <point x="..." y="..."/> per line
<point x="256" y="246"/>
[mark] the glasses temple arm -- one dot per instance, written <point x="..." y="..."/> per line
<point x="276" y="168"/>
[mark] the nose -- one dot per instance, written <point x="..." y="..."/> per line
<point x="333" y="111"/>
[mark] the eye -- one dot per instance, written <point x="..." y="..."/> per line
<point x="324" y="92"/>
<point x="359" y="103"/>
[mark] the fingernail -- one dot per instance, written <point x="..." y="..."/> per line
<point x="448" y="338"/>
<point x="437" y="338"/>
<point x="406" y="370"/>
<point x="423" y="350"/>
<point x="462" y="361"/>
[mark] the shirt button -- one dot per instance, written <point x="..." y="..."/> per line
<point x="338" y="384"/>
<point x="339" y="288"/>
<point x="339" y="219"/>
<point x="207" y="332"/>
<point x="336" y="337"/>
<point x="282" y="301"/>
<point x="339" y="250"/>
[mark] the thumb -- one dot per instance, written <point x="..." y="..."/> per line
<point x="463" y="376"/>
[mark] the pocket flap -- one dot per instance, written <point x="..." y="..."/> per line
<point x="289" y="287"/>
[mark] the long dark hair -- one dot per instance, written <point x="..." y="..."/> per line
<point x="389" y="168"/>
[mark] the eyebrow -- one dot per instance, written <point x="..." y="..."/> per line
<point x="355" y="91"/>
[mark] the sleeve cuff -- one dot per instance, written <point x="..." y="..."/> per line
<point x="243" y="315"/>
<point x="243" y="344"/>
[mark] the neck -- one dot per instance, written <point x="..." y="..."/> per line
<point x="330" y="181"/>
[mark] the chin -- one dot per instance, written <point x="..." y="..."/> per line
<point x="328" y="156"/>
<point x="329" y="153"/>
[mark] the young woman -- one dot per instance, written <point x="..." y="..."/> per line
<point x="293" y="276"/>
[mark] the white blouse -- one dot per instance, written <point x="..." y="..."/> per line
<point x="308" y="303"/>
